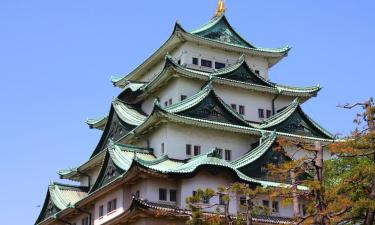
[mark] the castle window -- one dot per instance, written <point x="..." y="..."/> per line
<point x="111" y="205"/>
<point x="195" y="61"/>
<point x="261" y="113"/>
<point x="162" y="148"/>
<point x="243" y="201"/>
<point x="268" y="113"/>
<point x="101" y="211"/>
<point x="166" y="103"/>
<point x="137" y="194"/>
<point x="197" y="150"/>
<point x="266" y="203"/>
<point x="162" y="194"/>
<point x="183" y="97"/>
<point x="85" y="221"/>
<point x="206" y="200"/>
<point x="257" y="72"/>
<point x="172" y="195"/>
<point x="275" y="207"/>
<point x="234" y="107"/>
<point x="228" y="154"/>
<point x="206" y="63"/>
<point x="241" y="109"/>
<point x="188" y="149"/>
<point x="170" y="101"/>
<point x="220" y="152"/>
<point x="221" y="199"/>
<point x="219" y="65"/>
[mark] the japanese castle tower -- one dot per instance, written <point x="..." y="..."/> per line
<point x="201" y="112"/>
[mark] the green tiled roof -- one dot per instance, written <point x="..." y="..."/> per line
<point x="222" y="74"/>
<point x="64" y="195"/>
<point x="286" y="113"/>
<point x="219" y="29"/>
<point x="165" y="165"/>
<point x="97" y="123"/>
<point x="128" y="113"/>
<point x="60" y="197"/>
<point x="180" y="36"/>
<point x="265" y="144"/>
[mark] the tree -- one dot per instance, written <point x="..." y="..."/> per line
<point x="356" y="161"/>
<point x="340" y="190"/>
<point x="198" y="204"/>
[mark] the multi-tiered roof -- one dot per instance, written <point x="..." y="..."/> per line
<point x="121" y="161"/>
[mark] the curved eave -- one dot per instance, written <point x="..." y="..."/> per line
<point x="173" y="69"/>
<point x="159" y="115"/>
<point x="158" y="55"/>
<point x="198" y="98"/>
<point x="179" y="36"/>
<point x="75" y="174"/>
<point x="97" y="123"/>
<point x="127" y="113"/>
<point x="287" y="112"/>
<point x="255" y="153"/>
<point x="273" y="55"/>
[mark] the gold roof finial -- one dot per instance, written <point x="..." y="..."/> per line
<point x="220" y="8"/>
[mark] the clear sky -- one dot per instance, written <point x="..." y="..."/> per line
<point x="56" y="58"/>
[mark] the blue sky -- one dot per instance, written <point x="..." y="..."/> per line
<point x="56" y="58"/>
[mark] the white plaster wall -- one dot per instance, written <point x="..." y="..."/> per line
<point x="158" y="221"/>
<point x="191" y="50"/>
<point x="252" y="100"/>
<point x="158" y="66"/>
<point x="149" y="189"/>
<point x="78" y="219"/>
<point x="117" y="194"/>
<point x="285" y="210"/>
<point x="177" y="136"/>
<point x="172" y="90"/>
<point x="94" y="173"/>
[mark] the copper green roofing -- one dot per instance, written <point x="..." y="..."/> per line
<point x="198" y="98"/>
<point x="64" y="195"/>
<point x="219" y="29"/>
<point x="165" y="165"/>
<point x="97" y="123"/>
<point x="128" y="113"/>
<point x="254" y="154"/>
<point x="286" y="113"/>
<point x="227" y="76"/>
<point x="179" y="36"/>
<point x="60" y="197"/>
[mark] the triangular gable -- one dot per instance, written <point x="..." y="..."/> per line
<point x="243" y="73"/>
<point x="219" y="29"/>
<point x="108" y="173"/>
<point x="299" y="124"/>
<point x="207" y="105"/>
<point x="114" y="129"/>
<point x="49" y="209"/>
<point x="258" y="168"/>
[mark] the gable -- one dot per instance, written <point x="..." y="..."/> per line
<point x="298" y="124"/>
<point x="223" y="32"/>
<point x="49" y="209"/>
<point x="258" y="168"/>
<point x="114" y="130"/>
<point x="108" y="173"/>
<point x="245" y="74"/>
<point x="210" y="108"/>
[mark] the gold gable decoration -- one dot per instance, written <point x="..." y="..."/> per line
<point x="220" y="8"/>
